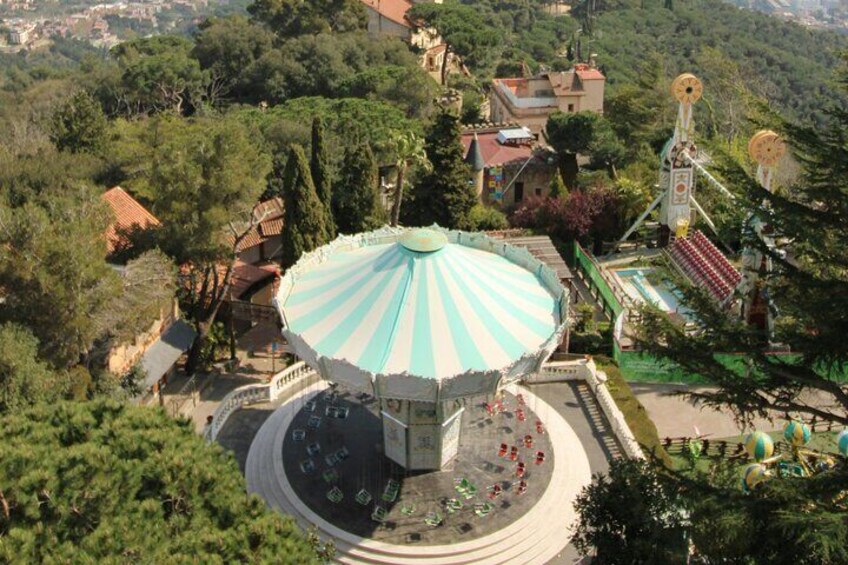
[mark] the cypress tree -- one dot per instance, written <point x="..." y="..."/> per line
<point x="557" y="187"/>
<point x="444" y="195"/>
<point x="319" y="166"/>
<point x="303" y="228"/>
<point x="356" y="202"/>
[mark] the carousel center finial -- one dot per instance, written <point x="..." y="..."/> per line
<point x="423" y="240"/>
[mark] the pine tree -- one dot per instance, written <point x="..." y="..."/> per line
<point x="444" y="195"/>
<point x="356" y="200"/>
<point x="303" y="226"/>
<point x="319" y="166"/>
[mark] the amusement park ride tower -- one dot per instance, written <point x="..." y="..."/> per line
<point x="677" y="171"/>
<point x="766" y="148"/>
<point x="677" y="174"/>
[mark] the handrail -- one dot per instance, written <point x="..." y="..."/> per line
<point x="584" y="369"/>
<point x="254" y="394"/>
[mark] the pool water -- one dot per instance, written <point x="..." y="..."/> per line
<point x="636" y="284"/>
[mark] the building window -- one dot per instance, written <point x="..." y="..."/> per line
<point x="571" y="107"/>
<point x="519" y="191"/>
<point x="538" y="192"/>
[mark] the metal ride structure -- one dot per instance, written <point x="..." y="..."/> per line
<point x="766" y="148"/>
<point x="797" y="461"/>
<point x="678" y="170"/>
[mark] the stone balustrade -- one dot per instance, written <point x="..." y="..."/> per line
<point x="255" y="394"/>
<point x="585" y="370"/>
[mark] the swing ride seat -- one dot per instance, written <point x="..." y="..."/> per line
<point x="330" y="476"/>
<point x="342" y="453"/>
<point x="298" y="435"/>
<point x="503" y="450"/>
<point x="314" y="422"/>
<point x="520" y="471"/>
<point x="335" y="495"/>
<point x="307" y="466"/>
<point x="483" y="510"/>
<point x="513" y="454"/>
<point x="391" y="491"/>
<point x="521" y="487"/>
<point x="452" y="505"/>
<point x="462" y="485"/>
<point x="379" y="514"/>
<point x="520" y="415"/>
<point x="310" y="405"/>
<point x="470" y="492"/>
<point x="407" y="509"/>
<point x="520" y="398"/>
<point x="331" y="459"/>
<point x="342" y="412"/>
<point x="540" y="457"/>
<point x="528" y="441"/>
<point x="313" y="448"/>
<point x="433" y="519"/>
<point x="363" y="497"/>
<point x="540" y="427"/>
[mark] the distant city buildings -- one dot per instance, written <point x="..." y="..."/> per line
<point x="529" y="101"/>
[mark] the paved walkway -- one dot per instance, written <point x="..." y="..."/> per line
<point x="677" y="416"/>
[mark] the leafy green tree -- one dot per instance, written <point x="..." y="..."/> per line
<point x="228" y="48"/>
<point x="24" y="379"/>
<point x="319" y="167"/>
<point x="203" y="178"/>
<point x="53" y="271"/>
<point x="409" y="88"/>
<point x="485" y="218"/>
<point x="289" y="18"/>
<point x="443" y="195"/>
<point x="630" y="516"/>
<point x="571" y="134"/>
<point x="356" y="198"/>
<point x="409" y="152"/>
<point x="303" y="224"/>
<point x="107" y="482"/>
<point x="79" y="124"/>
<point x="159" y="73"/>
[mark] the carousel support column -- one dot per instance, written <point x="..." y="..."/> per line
<point x="419" y="435"/>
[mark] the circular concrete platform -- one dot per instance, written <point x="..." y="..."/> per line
<point x="521" y="528"/>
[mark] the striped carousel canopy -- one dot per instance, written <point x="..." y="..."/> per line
<point x="421" y="314"/>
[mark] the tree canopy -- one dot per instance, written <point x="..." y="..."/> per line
<point x="444" y="194"/>
<point x="356" y="198"/>
<point x="106" y="482"/>
<point x="303" y="224"/>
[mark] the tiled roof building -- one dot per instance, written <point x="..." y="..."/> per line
<point x="129" y="216"/>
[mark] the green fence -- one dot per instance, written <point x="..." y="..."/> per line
<point x="596" y="281"/>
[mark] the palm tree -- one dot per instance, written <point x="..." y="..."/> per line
<point x="409" y="151"/>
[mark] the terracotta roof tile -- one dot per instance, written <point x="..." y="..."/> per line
<point x="493" y="152"/>
<point x="394" y="10"/>
<point x="129" y="214"/>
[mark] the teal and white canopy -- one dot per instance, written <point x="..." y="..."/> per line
<point x="422" y="314"/>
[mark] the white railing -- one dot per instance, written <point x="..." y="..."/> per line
<point x="255" y="394"/>
<point x="585" y="370"/>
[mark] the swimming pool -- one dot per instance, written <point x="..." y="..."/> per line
<point x="636" y="284"/>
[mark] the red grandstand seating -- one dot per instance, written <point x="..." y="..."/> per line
<point x="705" y="265"/>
